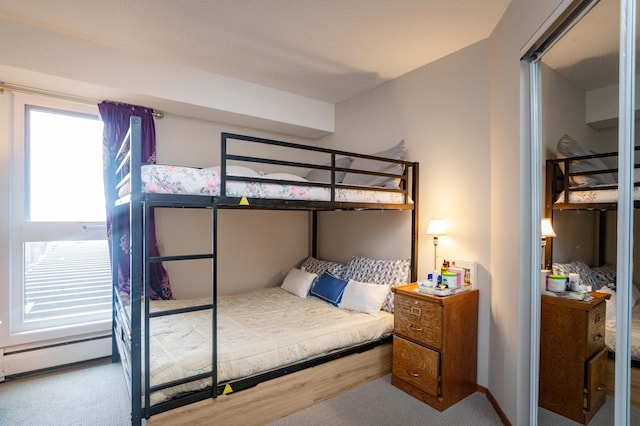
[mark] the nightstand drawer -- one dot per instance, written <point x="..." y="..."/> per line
<point x="416" y="365"/>
<point x="595" y="329"/>
<point x="596" y="380"/>
<point x="418" y="320"/>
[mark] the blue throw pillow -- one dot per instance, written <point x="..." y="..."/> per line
<point x="329" y="288"/>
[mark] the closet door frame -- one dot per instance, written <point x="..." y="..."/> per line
<point x="531" y="78"/>
<point x="626" y="142"/>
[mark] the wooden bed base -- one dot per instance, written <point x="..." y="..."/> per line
<point x="635" y="382"/>
<point x="276" y="398"/>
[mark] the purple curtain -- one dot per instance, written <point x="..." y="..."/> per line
<point x="116" y="124"/>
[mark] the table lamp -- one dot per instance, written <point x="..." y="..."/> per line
<point x="546" y="231"/>
<point x="436" y="228"/>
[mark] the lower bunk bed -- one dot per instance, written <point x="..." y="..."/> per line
<point x="298" y="335"/>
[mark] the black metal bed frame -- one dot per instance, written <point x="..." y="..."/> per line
<point x="128" y="328"/>
<point x="557" y="184"/>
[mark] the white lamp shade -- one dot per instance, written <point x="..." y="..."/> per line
<point x="546" y="230"/>
<point x="436" y="227"/>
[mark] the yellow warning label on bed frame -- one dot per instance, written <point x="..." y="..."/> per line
<point x="244" y="201"/>
<point x="227" y="389"/>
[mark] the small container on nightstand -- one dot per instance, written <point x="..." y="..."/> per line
<point x="435" y="345"/>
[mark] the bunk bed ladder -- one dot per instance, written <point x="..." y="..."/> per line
<point x="148" y="205"/>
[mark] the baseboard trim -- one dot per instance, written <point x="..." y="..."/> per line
<point x="495" y="405"/>
<point x="32" y="360"/>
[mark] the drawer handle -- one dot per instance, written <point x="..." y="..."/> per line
<point x="415" y="328"/>
<point x="601" y="387"/>
<point x="598" y="337"/>
<point x="416" y="375"/>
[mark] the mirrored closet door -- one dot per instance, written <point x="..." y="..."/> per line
<point x="589" y="365"/>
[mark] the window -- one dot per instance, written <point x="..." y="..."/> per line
<point x="61" y="278"/>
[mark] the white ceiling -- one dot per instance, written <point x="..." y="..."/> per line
<point x="587" y="54"/>
<point x="329" y="50"/>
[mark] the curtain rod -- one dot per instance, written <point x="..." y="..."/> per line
<point x="33" y="91"/>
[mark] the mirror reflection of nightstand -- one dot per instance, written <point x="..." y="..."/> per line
<point x="573" y="356"/>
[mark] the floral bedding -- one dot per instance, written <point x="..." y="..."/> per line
<point x="257" y="331"/>
<point x="595" y="196"/>
<point x="164" y="179"/>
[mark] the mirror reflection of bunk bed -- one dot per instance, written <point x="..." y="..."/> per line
<point x="168" y="347"/>
<point x="587" y="184"/>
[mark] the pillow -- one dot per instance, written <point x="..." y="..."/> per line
<point x="317" y="266"/>
<point x="235" y="171"/>
<point x="284" y="176"/>
<point x="388" y="273"/>
<point x="329" y="288"/>
<point x="577" y="267"/>
<point x="398" y="152"/>
<point x="318" y="175"/>
<point x="298" y="282"/>
<point x="604" y="275"/>
<point x="363" y="297"/>
<point x="567" y="148"/>
<point x="611" y="161"/>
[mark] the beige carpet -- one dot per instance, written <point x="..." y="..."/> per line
<point x="95" y="394"/>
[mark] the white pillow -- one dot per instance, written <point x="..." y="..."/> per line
<point x="235" y="171"/>
<point x="397" y="152"/>
<point x="285" y="176"/>
<point x="318" y="175"/>
<point x="364" y="297"/>
<point x="298" y="282"/>
<point x="567" y="147"/>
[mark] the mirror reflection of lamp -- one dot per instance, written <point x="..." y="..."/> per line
<point x="436" y="228"/>
<point x="546" y="231"/>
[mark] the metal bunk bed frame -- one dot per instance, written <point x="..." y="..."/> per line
<point x="128" y="330"/>
<point x="557" y="183"/>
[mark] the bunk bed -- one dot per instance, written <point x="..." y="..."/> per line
<point x="142" y="328"/>
<point x="588" y="182"/>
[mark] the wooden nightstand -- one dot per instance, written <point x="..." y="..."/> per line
<point x="573" y="357"/>
<point x="435" y="345"/>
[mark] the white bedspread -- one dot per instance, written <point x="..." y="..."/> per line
<point x="610" y="334"/>
<point x="163" y="179"/>
<point x="257" y="332"/>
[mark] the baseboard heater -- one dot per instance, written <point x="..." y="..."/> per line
<point x="54" y="355"/>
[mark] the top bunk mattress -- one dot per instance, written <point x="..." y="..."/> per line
<point x="164" y="179"/>
<point x="591" y="195"/>
<point x="256" y="331"/>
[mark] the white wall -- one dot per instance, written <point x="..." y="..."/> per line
<point x="511" y="197"/>
<point x="442" y="112"/>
